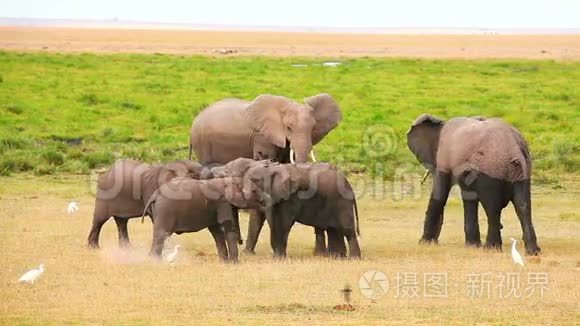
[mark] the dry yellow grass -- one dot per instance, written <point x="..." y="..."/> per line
<point x="81" y="286"/>
<point x="105" y="40"/>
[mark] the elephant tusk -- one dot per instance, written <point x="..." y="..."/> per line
<point x="427" y="172"/>
<point x="292" y="156"/>
<point x="312" y="156"/>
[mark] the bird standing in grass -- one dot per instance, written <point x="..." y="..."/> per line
<point x="32" y="275"/>
<point x="517" y="258"/>
<point x="346" y="291"/>
<point x="170" y="257"/>
<point x="72" y="207"/>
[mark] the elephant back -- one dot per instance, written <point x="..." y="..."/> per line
<point x="220" y="133"/>
<point x="489" y="146"/>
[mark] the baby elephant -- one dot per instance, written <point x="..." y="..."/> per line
<point x="125" y="188"/>
<point x="314" y="194"/>
<point x="187" y="205"/>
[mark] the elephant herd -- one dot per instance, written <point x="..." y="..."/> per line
<point x="253" y="156"/>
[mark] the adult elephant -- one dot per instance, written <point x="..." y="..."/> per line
<point x="269" y="127"/>
<point x="490" y="161"/>
<point x="125" y="188"/>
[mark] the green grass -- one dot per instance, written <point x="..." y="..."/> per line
<point x="142" y="106"/>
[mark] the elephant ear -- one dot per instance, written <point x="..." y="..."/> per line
<point x="280" y="185"/>
<point x="426" y="118"/>
<point x="326" y="113"/>
<point x="423" y="139"/>
<point x="265" y="114"/>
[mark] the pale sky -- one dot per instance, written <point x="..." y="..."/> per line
<point x="313" y="13"/>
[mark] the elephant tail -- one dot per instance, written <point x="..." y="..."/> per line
<point x="356" y="216"/>
<point x="190" y="149"/>
<point x="147" y="209"/>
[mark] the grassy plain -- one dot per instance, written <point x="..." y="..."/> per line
<point x="142" y="106"/>
<point x="63" y="115"/>
<point x="113" y="287"/>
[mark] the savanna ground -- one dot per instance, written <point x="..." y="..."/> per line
<point x="62" y="116"/>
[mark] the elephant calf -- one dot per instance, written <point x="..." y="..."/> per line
<point x="490" y="161"/>
<point x="314" y="194"/>
<point x="125" y="188"/>
<point x="186" y="205"/>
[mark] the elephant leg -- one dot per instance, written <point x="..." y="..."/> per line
<point x="122" y="231"/>
<point x="493" y="240"/>
<point x="220" y="241"/>
<point x="231" y="241"/>
<point x="353" y="246"/>
<point x="280" y="226"/>
<point x="255" y="225"/>
<point x="100" y="216"/>
<point x="471" y="220"/>
<point x="523" y="206"/>
<point x="437" y="201"/>
<point x="159" y="237"/>
<point x="236" y="215"/>
<point x="225" y="217"/>
<point x="336" y="246"/>
<point x="320" y="243"/>
<point x="493" y="195"/>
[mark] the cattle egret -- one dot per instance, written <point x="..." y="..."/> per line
<point x="517" y="258"/>
<point x="170" y="257"/>
<point x="31" y="275"/>
<point x="72" y="207"/>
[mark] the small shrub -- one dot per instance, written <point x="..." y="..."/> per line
<point x="543" y="178"/>
<point x="98" y="159"/>
<point x="15" y="164"/>
<point x="75" y="154"/>
<point x="45" y="169"/>
<point x="13" y="143"/>
<point x="89" y="99"/>
<point x="13" y="108"/>
<point x="76" y="166"/>
<point x="53" y="158"/>
<point x="131" y="105"/>
<point x="563" y="148"/>
<point x="167" y="152"/>
<point x="108" y="132"/>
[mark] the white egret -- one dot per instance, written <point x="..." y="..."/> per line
<point x="32" y="275"/>
<point x="517" y="258"/>
<point x="170" y="257"/>
<point x="72" y="207"/>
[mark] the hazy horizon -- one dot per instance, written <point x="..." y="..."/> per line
<point x="133" y="24"/>
<point x="348" y="15"/>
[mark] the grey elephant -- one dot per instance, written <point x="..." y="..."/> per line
<point x="124" y="189"/>
<point x="269" y="127"/>
<point x="188" y="205"/>
<point x="314" y="194"/>
<point x="490" y="161"/>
